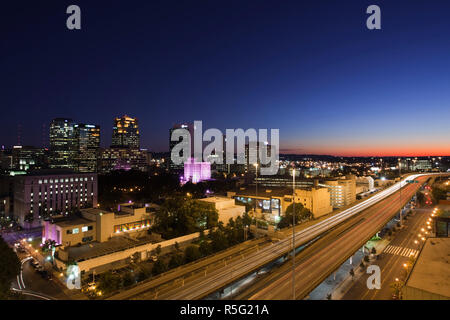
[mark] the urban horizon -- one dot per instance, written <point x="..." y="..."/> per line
<point x="362" y="152"/>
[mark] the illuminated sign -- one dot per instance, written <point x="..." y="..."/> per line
<point x="135" y="226"/>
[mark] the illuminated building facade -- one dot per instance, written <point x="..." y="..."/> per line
<point x="51" y="192"/>
<point x="196" y="171"/>
<point x="123" y="159"/>
<point x="63" y="144"/>
<point x="125" y="133"/>
<point x="99" y="225"/>
<point x="88" y="144"/>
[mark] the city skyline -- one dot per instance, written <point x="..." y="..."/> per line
<point x="313" y="71"/>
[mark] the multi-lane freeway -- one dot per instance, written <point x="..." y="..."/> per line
<point x="311" y="271"/>
<point x="226" y="275"/>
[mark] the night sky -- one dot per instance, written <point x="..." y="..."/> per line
<point x="309" y="68"/>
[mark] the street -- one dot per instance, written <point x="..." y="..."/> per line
<point x="393" y="257"/>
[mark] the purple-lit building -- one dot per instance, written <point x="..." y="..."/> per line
<point x="196" y="171"/>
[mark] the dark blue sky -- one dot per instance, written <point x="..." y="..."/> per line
<point x="310" y="68"/>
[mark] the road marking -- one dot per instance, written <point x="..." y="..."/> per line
<point x="401" y="251"/>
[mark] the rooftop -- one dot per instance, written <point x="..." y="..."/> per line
<point x="115" y="244"/>
<point x="64" y="223"/>
<point x="269" y="192"/>
<point x="215" y="199"/>
<point x="431" y="272"/>
<point x="54" y="172"/>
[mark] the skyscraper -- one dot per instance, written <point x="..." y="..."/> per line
<point x="125" y="133"/>
<point x="88" y="144"/>
<point x="63" y="146"/>
<point x="174" y="168"/>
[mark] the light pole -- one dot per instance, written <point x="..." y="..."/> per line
<point x="293" y="234"/>
<point x="400" y="173"/>
<point x="256" y="180"/>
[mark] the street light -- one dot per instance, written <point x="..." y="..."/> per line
<point x="256" y="170"/>
<point x="400" y="173"/>
<point x="293" y="234"/>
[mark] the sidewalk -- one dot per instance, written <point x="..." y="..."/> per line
<point x="348" y="282"/>
<point x="340" y="281"/>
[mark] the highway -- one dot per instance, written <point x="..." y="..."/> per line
<point x="236" y="270"/>
<point x="311" y="271"/>
<point x="190" y="271"/>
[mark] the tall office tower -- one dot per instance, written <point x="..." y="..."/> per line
<point x="88" y="144"/>
<point x="125" y="133"/>
<point x="62" y="144"/>
<point x="174" y="168"/>
<point x="252" y="152"/>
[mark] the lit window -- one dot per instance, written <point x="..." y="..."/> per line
<point x="84" y="229"/>
<point x="75" y="231"/>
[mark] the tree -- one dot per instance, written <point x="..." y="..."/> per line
<point x="176" y="261"/>
<point x="128" y="279"/>
<point x="366" y="258"/>
<point x="205" y="248"/>
<point x="9" y="269"/>
<point x="144" y="273"/>
<point x="219" y="241"/>
<point x="192" y="253"/>
<point x="177" y="246"/>
<point x="246" y="219"/>
<point x="352" y="273"/>
<point x="109" y="282"/>
<point x="179" y="216"/>
<point x="159" y="267"/>
<point x="373" y="251"/>
<point x="301" y="214"/>
<point x="158" y="250"/>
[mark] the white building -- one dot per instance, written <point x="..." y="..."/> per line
<point x="226" y="207"/>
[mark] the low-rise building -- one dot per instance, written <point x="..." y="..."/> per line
<point x="429" y="278"/>
<point x="274" y="202"/>
<point x="226" y="208"/>
<point x="343" y="191"/>
<point x="98" y="225"/>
